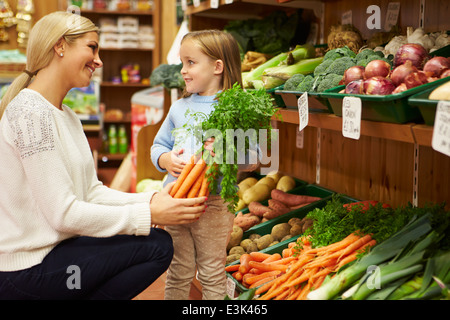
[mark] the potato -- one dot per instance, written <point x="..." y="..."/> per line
<point x="259" y="192"/>
<point x="236" y="250"/>
<point x="280" y="230"/>
<point x="294" y="221"/>
<point x="242" y="189"/>
<point x="296" y="229"/>
<point x="286" y="238"/>
<point x="252" y="247"/>
<point x="254" y="236"/>
<point x="245" y="243"/>
<point x="308" y="223"/>
<point x="275" y="175"/>
<point x="240" y="205"/>
<point x="235" y="237"/>
<point x="250" y="181"/>
<point x="268" y="181"/>
<point x="264" y="241"/>
<point x="274" y="243"/>
<point x="286" y="183"/>
<point x="232" y="257"/>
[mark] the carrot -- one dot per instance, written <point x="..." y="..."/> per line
<point x="262" y="281"/>
<point x="304" y="292"/>
<point x="204" y="188"/>
<point x="286" y="260"/>
<point x="267" y="266"/>
<point x="252" y="278"/>
<point x="339" y="245"/>
<point x="353" y="256"/>
<point x="284" y="294"/>
<point x="184" y="173"/>
<point x="355" y="245"/>
<point x="237" y="275"/>
<point x="286" y="252"/>
<point x="245" y="260"/>
<point x="194" y="191"/>
<point x="303" y="277"/>
<point x="295" y="294"/>
<point x="191" y="178"/>
<point x="263" y="288"/>
<point x="259" y="256"/>
<point x="234" y="267"/>
<point x="273" y="257"/>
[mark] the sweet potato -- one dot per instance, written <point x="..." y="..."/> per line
<point x="246" y="221"/>
<point x="292" y="200"/>
<point x="278" y="209"/>
<point x="257" y="208"/>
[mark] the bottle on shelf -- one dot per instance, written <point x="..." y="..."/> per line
<point x="123" y="140"/>
<point x="112" y="135"/>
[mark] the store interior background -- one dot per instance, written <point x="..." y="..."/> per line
<point x="390" y="163"/>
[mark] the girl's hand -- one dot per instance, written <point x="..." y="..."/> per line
<point x="166" y="210"/>
<point x="208" y="145"/>
<point x="172" y="162"/>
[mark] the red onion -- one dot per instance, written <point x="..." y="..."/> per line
<point x="378" y="86"/>
<point x="353" y="73"/>
<point x="415" y="79"/>
<point x="411" y="51"/>
<point x="445" y="73"/>
<point x="436" y="66"/>
<point x="355" y="87"/>
<point x="399" y="73"/>
<point x="400" y="88"/>
<point x="377" y="68"/>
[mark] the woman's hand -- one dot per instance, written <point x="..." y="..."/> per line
<point x="166" y="210"/>
<point x="172" y="162"/>
<point x="209" y="146"/>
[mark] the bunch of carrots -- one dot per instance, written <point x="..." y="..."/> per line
<point x="257" y="268"/>
<point x="312" y="266"/>
<point x="297" y="271"/>
<point x="193" y="180"/>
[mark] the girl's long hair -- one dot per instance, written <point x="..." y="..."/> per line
<point x="43" y="37"/>
<point x="219" y="45"/>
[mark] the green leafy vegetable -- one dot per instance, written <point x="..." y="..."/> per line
<point x="168" y="75"/>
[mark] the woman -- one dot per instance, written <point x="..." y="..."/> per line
<point x="63" y="234"/>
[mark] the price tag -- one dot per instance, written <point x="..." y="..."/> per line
<point x="392" y="15"/>
<point x="441" y="132"/>
<point x="347" y="17"/>
<point x="300" y="138"/>
<point x="351" y="117"/>
<point x="231" y="287"/>
<point x="196" y="3"/>
<point x="303" y="111"/>
<point x="215" y="4"/>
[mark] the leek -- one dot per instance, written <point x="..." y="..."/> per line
<point x="284" y="58"/>
<point x="276" y="76"/>
<point x="381" y="253"/>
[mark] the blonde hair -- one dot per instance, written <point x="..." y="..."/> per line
<point x="43" y="37"/>
<point x="219" y="45"/>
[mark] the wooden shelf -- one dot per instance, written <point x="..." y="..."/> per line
<point x="383" y="130"/>
<point x="117" y="12"/>
<point x="127" y="85"/>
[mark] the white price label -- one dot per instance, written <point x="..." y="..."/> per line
<point x="215" y="4"/>
<point x="303" y="111"/>
<point x="196" y="3"/>
<point x="231" y="287"/>
<point x="441" y="131"/>
<point x="347" y="17"/>
<point x="300" y="138"/>
<point x="351" y="117"/>
<point x="391" y="15"/>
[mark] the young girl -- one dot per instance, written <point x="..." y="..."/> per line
<point x="211" y="63"/>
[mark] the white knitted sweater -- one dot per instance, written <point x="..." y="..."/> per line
<point x="49" y="189"/>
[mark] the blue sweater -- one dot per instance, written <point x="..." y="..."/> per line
<point x="166" y="141"/>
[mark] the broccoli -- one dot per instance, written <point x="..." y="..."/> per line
<point x="292" y="83"/>
<point x="340" y="65"/>
<point x="169" y="75"/>
<point x="306" y="84"/>
<point x="328" y="81"/>
<point x="339" y="53"/>
<point x="322" y="68"/>
<point x="364" y="62"/>
<point x="366" y="53"/>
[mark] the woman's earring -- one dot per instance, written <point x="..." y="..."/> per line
<point x="61" y="54"/>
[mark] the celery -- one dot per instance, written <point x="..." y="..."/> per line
<point x="282" y="59"/>
<point x="381" y="253"/>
